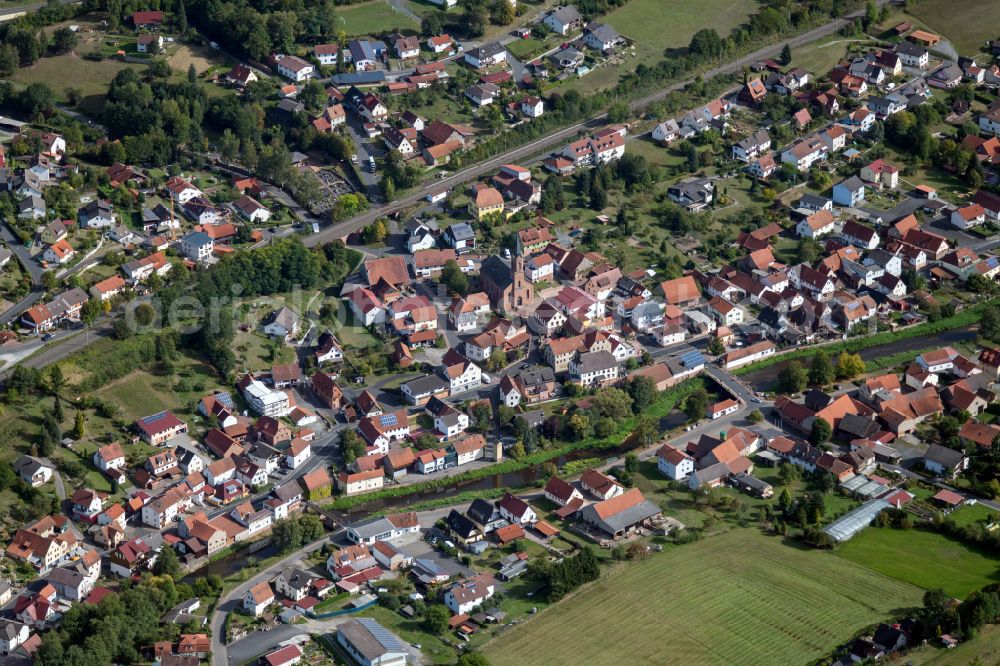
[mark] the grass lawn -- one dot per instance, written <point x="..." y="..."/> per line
<point x="985" y="647"/>
<point x="90" y="77"/>
<point x="820" y="57"/>
<point x="254" y="350"/>
<point x="526" y="49"/>
<point x="966" y="29"/>
<point x="923" y="558"/>
<point x="373" y="17"/>
<point x="674" y="21"/>
<point x="433" y="649"/>
<point x="971" y="514"/>
<point x="764" y="603"/>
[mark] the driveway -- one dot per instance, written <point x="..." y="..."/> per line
<point x="364" y="149"/>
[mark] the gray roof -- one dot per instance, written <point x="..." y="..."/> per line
<point x="537" y="375"/>
<point x="461" y="231"/>
<point x="565" y="15"/>
<point x="752" y="482"/>
<point x="29" y="465"/>
<point x="9" y="629"/>
<point x="369" y="638"/>
<point x="65" y="578"/>
<point x="487" y="51"/>
<point x="534" y="417"/>
<point x="604" y="32"/>
<point x="31" y="202"/>
<point x="813" y="200"/>
<point x="199" y="238"/>
<point x="359" y="78"/>
<point x="944" y="456"/>
<point x="296" y="578"/>
<point x="910" y="49"/>
<point x="856" y="520"/>
<point x="285" y="317"/>
<point x="621" y="520"/>
<point x="853" y="184"/>
<point x="496" y="270"/>
<point x="595" y="361"/>
<point x="482" y="511"/>
<point x="712" y="472"/>
<point x="759" y="138"/>
<point x="461" y="524"/>
<point x="290" y="106"/>
<point x="695" y="189"/>
<point x="450" y="418"/>
<point x="372" y="527"/>
<point x="426" y="384"/>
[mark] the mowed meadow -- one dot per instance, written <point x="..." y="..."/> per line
<point x="737" y="598"/>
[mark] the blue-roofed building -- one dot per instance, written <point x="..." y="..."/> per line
<point x="366" y="54"/>
<point x="692" y="359"/>
<point x="684" y="365"/>
<point x="197" y="246"/>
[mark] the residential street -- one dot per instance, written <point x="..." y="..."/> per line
<point x="539" y="146"/>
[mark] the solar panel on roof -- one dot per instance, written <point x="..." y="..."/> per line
<point x="387" y="420"/>
<point x="692" y="358"/>
<point x="385" y="638"/>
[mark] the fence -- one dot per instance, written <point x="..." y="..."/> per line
<point x="342" y="611"/>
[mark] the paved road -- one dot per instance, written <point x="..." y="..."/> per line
<point x="57" y="352"/>
<point x="31" y="266"/>
<point x="229" y="601"/>
<point x="13" y="12"/>
<point x="559" y="137"/>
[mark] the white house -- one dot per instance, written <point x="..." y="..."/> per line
<point x="666" y="131"/>
<point x="12" y="634"/>
<point x="197" y="246"/>
<point x="532" y="107"/>
<point x="294" y="68"/>
<point x="968" y="216"/>
<point x="722" y="408"/>
<point x="469" y="593"/>
<point x="803" y="154"/>
<point x="258" y="599"/>
<point x="538" y="268"/>
<point x="850" y="192"/>
<point x="674" y="463"/>
<point x="252" y="211"/>
<point x="563" y="19"/>
<point x="486" y="56"/>
<point x="818" y="224"/>
<point x="989" y="121"/>
<point x="515" y="510"/>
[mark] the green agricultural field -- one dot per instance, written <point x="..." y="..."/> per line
<point x="740" y="597"/>
<point x="966" y="29"/>
<point x="373" y="17"/>
<point x="926" y="559"/>
<point x="674" y="21"/>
